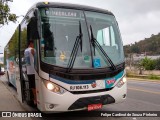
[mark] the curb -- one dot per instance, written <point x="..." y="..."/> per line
<point x="139" y="79"/>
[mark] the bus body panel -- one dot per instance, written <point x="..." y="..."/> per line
<point x="63" y="102"/>
<point x="70" y="85"/>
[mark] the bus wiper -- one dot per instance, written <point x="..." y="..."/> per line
<point x="95" y="43"/>
<point x="75" y="49"/>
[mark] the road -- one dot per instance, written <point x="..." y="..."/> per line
<point x="141" y="96"/>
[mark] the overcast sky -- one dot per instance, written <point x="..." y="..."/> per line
<point x="137" y="19"/>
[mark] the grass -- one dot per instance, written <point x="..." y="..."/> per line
<point x="154" y="77"/>
<point x="151" y="77"/>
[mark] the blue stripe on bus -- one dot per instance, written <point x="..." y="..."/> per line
<point x="84" y="81"/>
<point x="119" y="75"/>
<point x="71" y="81"/>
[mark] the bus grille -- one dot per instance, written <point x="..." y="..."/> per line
<point x="91" y="91"/>
<point x="84" y="102"/>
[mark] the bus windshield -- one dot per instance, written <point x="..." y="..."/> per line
<point x="60" y="29"/>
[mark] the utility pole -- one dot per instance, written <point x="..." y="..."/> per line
<point x="130" y="60"/>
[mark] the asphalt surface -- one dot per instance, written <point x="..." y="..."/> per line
<point x="141" y="96"/>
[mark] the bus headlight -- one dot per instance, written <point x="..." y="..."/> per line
<point x="50" y="86"/>
<point x="53" y="87"/>
<point x="121" y="82"/>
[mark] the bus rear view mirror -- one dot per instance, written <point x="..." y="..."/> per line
<point x="33" y="28"/>
<point x="36" y="12"/>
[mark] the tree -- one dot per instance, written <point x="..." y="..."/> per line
<point x="158" y="64"/>
<point x="149" y="46"/>
<point x="135" y="49"/>
<point x="5" y="15"/>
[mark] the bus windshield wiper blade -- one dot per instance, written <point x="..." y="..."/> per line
<point x="75" y="49"/>
<point x="95" y="43"/>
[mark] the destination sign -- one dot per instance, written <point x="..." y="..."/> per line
<point x="61" y="13"/>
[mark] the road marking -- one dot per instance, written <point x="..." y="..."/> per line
<point x="144" y="90"/>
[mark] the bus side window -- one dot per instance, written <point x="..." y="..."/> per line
<point x="25" y="36"/>
<point x="103" y="37"/>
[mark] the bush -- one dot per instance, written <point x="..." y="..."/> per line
<point x="154" y="77"/>
<point x="157" y="64"/>
<point x="148" y="64"/>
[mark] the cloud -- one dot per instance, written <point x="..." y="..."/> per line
<point x="140" y="26"/>
<point x="137" y="19"/>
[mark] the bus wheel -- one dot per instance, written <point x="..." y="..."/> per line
<point x="8" y="80"/>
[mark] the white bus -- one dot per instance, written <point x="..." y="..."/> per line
<point x="79" y="60"/>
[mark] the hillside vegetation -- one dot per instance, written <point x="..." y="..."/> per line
<point x="149" y="46"/>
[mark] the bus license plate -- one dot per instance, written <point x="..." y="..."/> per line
<point x="94" y="106"/>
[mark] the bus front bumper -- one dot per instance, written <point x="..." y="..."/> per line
<point x="53" y="102"/>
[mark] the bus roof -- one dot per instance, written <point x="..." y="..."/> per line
<point x="71" y="6"/>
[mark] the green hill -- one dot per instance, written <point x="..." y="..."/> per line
<point x="149" y="46"/>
